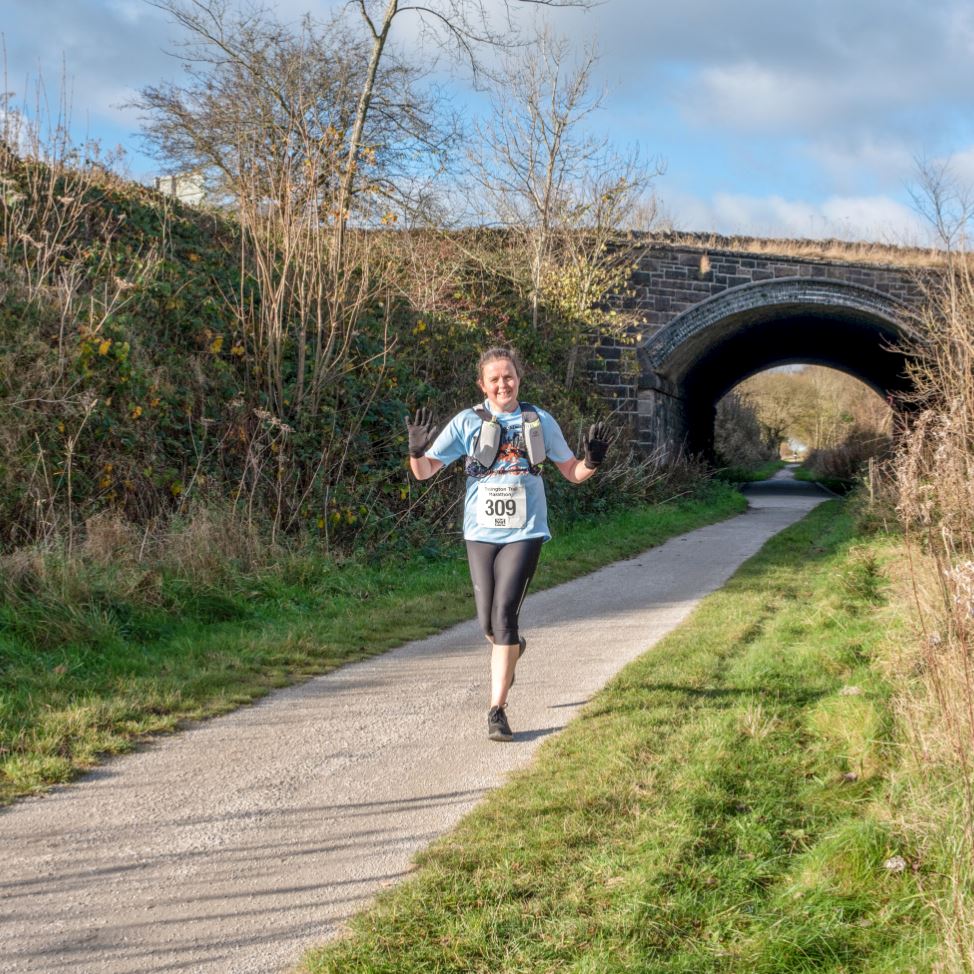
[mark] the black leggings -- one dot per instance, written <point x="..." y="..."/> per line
<point x="501" y="574"/>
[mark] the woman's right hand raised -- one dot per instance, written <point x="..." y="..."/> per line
<point x="420" y="431"/>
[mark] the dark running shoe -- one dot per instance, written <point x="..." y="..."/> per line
<point x="498" y="729"/>
<point x="522" y="646"/>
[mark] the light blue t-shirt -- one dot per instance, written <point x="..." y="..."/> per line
<point x="511" y="468"/>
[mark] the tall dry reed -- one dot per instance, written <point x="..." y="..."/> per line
<point x="934" y="475"/>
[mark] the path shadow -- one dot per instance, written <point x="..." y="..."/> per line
<point x="534" y="735"/>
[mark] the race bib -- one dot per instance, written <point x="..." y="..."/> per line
<point x="501" y="505"/>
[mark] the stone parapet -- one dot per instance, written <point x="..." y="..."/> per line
<point x="670" y="280"/>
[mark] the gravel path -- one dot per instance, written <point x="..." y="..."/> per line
<point x="233" y="846"/>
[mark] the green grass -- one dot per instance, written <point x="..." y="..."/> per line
<point x="746" y="475"/>
<point x="836" y="484"/>
<point x="83" y="678"/>
<point x="719" y="807"/>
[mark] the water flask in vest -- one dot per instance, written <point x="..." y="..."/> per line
<point x="533" y="440"/>
<point x="488" y="443"/>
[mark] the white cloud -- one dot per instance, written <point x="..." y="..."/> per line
<point x="754" y="97"/>
<point x="873" y="218"/>
<point x="884" y="163"/>
<point x="879" y="218"/>
<point x="854" y="99"/>
<point x="108" y="50"/>
<point x="961" y="165"/>
<point x="960" y="23"/>
<point x="898" y="68"/>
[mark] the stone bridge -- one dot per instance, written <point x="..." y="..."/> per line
<point x="709" y="313"/>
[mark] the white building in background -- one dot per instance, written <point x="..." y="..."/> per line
<point x="186" y="187"/>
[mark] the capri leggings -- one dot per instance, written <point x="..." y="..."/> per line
<point x="501" y="574"/>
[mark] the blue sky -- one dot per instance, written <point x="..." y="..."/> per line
<point x="773" y="117"/>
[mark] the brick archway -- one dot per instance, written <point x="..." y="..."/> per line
<point x="690" y="363"/>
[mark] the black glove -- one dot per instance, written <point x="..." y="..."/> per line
<point x="421" y="431"/>
<point x="596" y="444"/>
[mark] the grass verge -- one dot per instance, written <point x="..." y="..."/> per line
<point x="131" y="669"/>
<point x="720" y="806"/>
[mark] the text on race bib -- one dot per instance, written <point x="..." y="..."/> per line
<point x="501" y="505"/>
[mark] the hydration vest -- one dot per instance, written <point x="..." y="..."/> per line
<point x="489" y="439"/>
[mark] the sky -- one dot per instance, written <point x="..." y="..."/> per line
<point x="773" y="118"/>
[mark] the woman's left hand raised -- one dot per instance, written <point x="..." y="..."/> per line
<point x="600" y="438"/>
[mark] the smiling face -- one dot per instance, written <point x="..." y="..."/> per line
<point x="499" y="382"/>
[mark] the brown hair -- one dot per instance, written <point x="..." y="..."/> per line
<point x="499" y="351"/>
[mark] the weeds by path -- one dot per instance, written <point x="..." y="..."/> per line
<point x="719" y="807"/>
<point x="90" y="674"/>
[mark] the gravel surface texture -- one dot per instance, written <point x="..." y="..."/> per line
<point x="236" y="844"/>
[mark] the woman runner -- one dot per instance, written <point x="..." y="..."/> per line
<point x="505" y="519"/>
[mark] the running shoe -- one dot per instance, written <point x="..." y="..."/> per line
<point x="522" y="646"/>
<point x="498" y="729"/>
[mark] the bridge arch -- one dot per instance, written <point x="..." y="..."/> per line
<point x="699" y="356"/>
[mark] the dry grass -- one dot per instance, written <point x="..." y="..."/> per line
<point x="934" y="478"/>
<point x="848" y="459"/>
<point x="830" y="251"/>
<point x="205" y="543"/>
<point x="204" y="547"/>
<point x="931" y="804"/>
<point x="109" y="538"/>
<point x="755" y="723"/>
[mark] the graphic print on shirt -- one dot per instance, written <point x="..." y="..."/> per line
<point x="512" y="457"/>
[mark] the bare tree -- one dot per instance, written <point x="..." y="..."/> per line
<point x="784" y="406"/>
<point x="267" y="112"/>
<point x="259" y="91"/>
<point x="462" y="26"/>
<point x="818" y="406"/>
<point x="946" y="204"/>
<point x="549" y="179"/>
